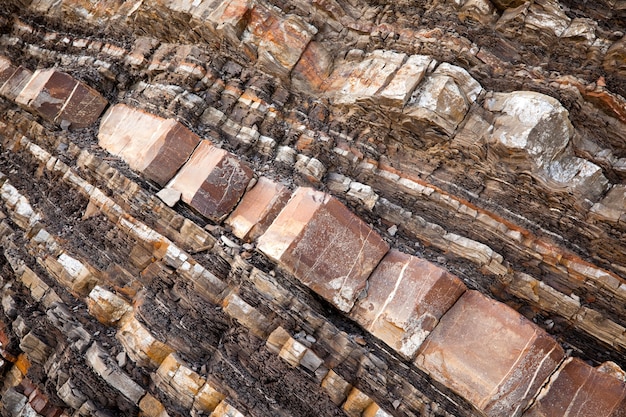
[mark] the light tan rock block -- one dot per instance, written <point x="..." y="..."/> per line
<point x="404" y="82"/>
<point x="107" y="307"/>
<point x="336" y="387"/>
<point x="178" y="381"/>
<point x="356" y="403"/>
<point x="139" y="344"/>
<point x="207" y="399"/>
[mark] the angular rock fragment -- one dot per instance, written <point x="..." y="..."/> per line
<point x="324" y="245"/>
<point x="15" y="82"/>
<point x="406" y="297"/>
<point x="103" y="365"/>
<point x="140" y="346"/>
<point x="336" y="387"/>
<point x="489" y="354"/>
<point x="230" y="18"/>
<point x="613" y="206"/>
<point x="438" y="102"/>
<point x="212" y="181"/>
<point x="58" y="97"/>
<point x="356" y="403"/>
<point x="178" y="381"/>
<point x="404" y="82"/>
<point x="532" y="131"/>
<point x="155" y="146"/>
<point x="107" y="307"/>
<point x="351" y="83"/>
<point x="283" y="43"/>
<point x="579" y="390"/>
<point x="258" y="208"/>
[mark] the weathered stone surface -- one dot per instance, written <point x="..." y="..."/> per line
<point x="212" y="181"/>
<point x="612" y="206"/>
<point x="489" y="354"/>
<point x="155" y="146"/>
<point x="578" y="390"/>
<point x="406" y="297"/>
<point x="356" y="403"/>
<point x="139" y="344"/>
<point x="337" y="387"/>
<point x="258" y="208"/>
<point x="283" y="43"/>
<point x="178" y="381"/>
<point x="324" y="245"/>
<point x="226" y="410"/>
<point x="58" y="97"/>
<point x="313" y="67"/>
<point x="352" y="82"/>
<point x="16" y="82"/>
<point x="438" y="102"/>
<point x="102" y="364"/>
<point x="107" y="307"/>
<point x="405" y="80"/>
<point x="532" y="131"/>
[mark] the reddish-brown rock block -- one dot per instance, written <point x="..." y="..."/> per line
<point x="212" y="181"/>
<point x="57" y="97"/>
<point x="406" y="297"/>
<point x="313" y="68"/>
<point x="15" y="82"/>
<point x="579" y="390"/>
<point x="6" y="69"/>
<point x="490" y="355"/>
<point x="155" y="146"/>
<point x="46" y="92"/>
<point x="258" y="209"/>
<point x="324" y="245"/>
<point x="283" y="44"/>
<point x="83" y="107"/>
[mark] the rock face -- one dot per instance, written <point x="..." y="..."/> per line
<point x="326" y="247"/>
<point x="327" y="208"/>
<point x="490" y="355"/>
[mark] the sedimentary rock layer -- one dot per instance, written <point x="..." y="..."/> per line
<point x="328" y="208"/>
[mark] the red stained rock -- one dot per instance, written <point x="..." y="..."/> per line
<point x="83" y="108"/>
<point x="324" y="245"/>
<point x="283" y="44"/>
<point x="56" y="96"/>
<point x="258" y="208"/>
<point x="579" y="390"/>
<point x="406" y="297"/>
<point x="6" y="69"/>
<point x="490" y="355"/>
<point x="155" y="146"/>
<point x="313" y="68"/>
<point x="15" y="83"/>
<point x="212" y="182"/>
<point x="46" y="92"/>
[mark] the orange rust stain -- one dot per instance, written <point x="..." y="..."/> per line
<point x="22" y="363"/>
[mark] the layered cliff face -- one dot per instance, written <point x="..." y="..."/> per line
<point x="325" y="208"/>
